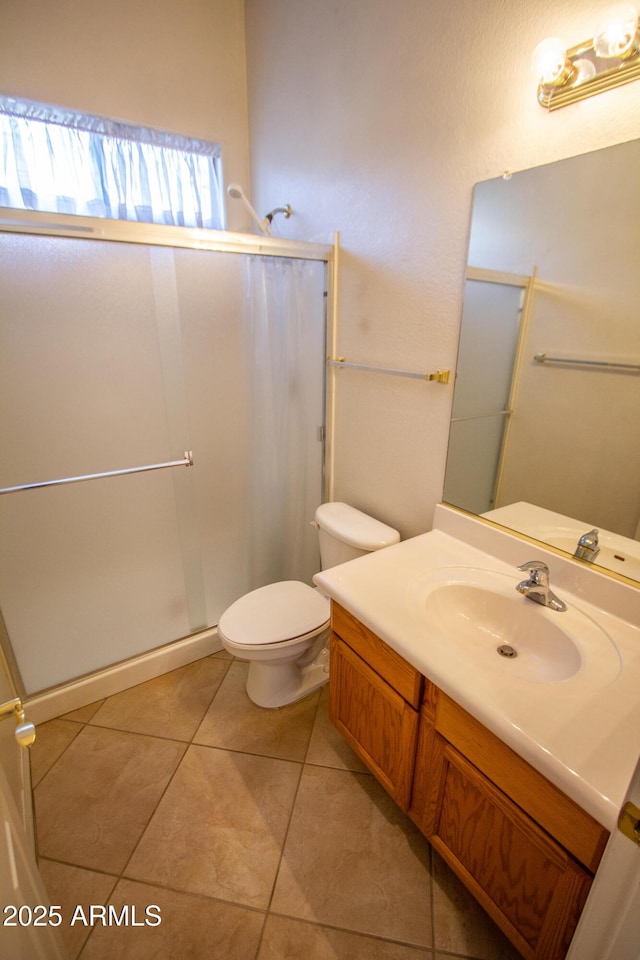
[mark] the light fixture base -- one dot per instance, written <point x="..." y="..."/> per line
<point x="606" y="74"/>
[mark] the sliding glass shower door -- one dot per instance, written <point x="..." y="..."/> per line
<point x="117" y="355"/>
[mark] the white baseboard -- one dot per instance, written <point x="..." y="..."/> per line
<point x="104" y="683"/>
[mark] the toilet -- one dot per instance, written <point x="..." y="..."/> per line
<point x="283" y="629"/>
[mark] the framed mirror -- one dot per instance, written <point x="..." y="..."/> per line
<point x="545" y="431"/>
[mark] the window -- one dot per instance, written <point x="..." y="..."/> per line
<point x="55" y="160"/>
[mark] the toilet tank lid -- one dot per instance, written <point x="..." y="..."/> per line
<point x="354" y="527"/>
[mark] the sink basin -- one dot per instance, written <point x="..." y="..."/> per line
<point x="479" y="614"/>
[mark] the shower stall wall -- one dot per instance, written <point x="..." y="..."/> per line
<point x="126" y="352"/>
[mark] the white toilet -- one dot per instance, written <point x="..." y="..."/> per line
<point x="283" y="628"/>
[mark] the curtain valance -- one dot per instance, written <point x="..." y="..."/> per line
<point x="55" y="160"/>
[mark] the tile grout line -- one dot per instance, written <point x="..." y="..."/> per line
<point x="187" y="743"/>
<point x="264" y="912"/>
<point x="432" y="903"/>
<point x="370" y="936"/>
<point x="121" y="876"/>
<point x="286" y="833"/>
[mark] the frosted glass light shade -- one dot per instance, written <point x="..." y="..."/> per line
<point x="549" y="61"/>
<point x="616" y="33"/>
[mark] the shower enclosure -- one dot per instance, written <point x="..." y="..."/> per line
<point x="125" y="346"/>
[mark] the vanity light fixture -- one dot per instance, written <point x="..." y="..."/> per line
<point x="609" y="59"/>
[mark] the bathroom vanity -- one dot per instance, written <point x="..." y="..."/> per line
<point x="525" y="850"/>
<point x="515" y="778"/>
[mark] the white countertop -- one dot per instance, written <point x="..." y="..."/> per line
<point x="582" y="733"/>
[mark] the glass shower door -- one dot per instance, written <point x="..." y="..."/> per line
<point x="89" y="573"/>
<point x="116" y="355"/>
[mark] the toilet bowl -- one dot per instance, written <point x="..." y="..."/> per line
<point x="282" y="629"/>
<point x="274" y="627"/>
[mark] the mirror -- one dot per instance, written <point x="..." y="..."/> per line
<point x="545" y="431"/>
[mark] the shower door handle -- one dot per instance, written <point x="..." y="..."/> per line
<point x="187" y="461"/>
<point x="25" y="730"/>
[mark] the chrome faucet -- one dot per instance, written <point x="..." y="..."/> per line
<point x="537" y="587"/>
<point x="588" y="547"/>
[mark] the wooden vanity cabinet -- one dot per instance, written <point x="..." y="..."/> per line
<point x="375" y="698"/>
<point x="525" y="850"/>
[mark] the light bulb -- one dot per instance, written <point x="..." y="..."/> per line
<point x="549" y="62"/>
<point x="616" y="32"/>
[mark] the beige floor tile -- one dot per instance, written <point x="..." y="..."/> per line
<point x="69" y="887"/>
<point x="353" y="860"/>
<point x="220" y="826"/>
<point x="460" y="924"/>
<point x="52" y="739"/>
<point x="286" y="939"/>
<point x="83" y="714"/>
<point x="191" y="928"/>
<point x="327" y="747"/>
<point x="168" y="706"/>
<point x="93" y="805"/>
<point x="223" y="655"/>
<point x="233" y="722"/>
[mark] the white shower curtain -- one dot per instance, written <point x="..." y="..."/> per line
<point x="286" y="345"/>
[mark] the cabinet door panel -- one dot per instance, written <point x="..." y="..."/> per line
<point x="378" y="724"/>
<point x="559" y="816"/>
<point x="525" y="880"/>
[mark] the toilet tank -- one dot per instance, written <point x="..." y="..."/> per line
<point x="346" y="533"/>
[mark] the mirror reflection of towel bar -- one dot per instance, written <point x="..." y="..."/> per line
<point x="440" y="376"/>
<point x="186" y="462"/>
<point x="483" y="416"/>
<point x="543" y="358"/>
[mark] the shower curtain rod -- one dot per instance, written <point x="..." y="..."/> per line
<point x="186" y="462"/>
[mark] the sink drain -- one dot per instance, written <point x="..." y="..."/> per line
<point x="505" y="650"/>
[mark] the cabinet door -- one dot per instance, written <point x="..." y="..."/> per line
<point x="532" y="888"/>
<point x="375" y="720"/>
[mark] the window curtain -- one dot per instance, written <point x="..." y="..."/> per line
<point x="55" y="160"/>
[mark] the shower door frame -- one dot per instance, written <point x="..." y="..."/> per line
<point x="36" y="222"/>
<point x="73" y="693"/>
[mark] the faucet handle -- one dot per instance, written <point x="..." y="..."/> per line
<point x="537" y="569"/>
<point x="589" y="539"/>
<point x="537" y="586"/>
<point x="588" y="547"/>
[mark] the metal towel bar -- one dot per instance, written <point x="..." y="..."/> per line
<point x="186" y="462"/>
<point x="543" y="358"/>
<point x="440" y="376"/>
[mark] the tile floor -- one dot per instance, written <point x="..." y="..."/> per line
<point x="258" y="833"/>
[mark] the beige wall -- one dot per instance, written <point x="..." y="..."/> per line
<point x="371" y="117"/>
<point x="376" y="118"/>
<point x="178" y="66"/>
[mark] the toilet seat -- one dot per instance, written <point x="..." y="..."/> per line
<point x="277" y="613"/>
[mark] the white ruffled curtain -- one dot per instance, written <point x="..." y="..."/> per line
<point x="58" y="161"/>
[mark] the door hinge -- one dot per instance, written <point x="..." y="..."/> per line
<point x="629" y="822"/>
